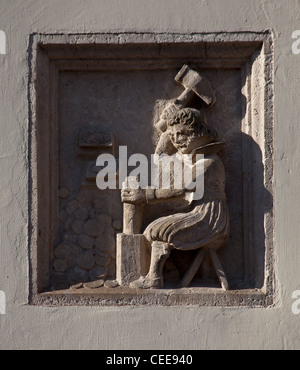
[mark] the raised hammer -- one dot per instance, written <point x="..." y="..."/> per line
<point x="194" y="84"/>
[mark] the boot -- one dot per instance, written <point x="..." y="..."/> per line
<point x="154" y="279"/>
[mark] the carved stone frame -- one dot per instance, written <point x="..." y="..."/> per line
<point x="249" y="52"/>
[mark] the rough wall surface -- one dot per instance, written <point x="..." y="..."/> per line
<point x="33" y="327"/>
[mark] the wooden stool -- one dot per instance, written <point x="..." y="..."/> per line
<point x="191" y="272"/>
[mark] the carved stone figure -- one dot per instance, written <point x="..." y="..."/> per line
<point x="201" y="223"/>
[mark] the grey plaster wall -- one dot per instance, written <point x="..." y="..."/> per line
<point x="33" y="327"/>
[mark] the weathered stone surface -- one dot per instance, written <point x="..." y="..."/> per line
<point x="102" y="259"/>
<point x="132" y="258"/>
<point x="93" y="228"/>
<point x="105" y="243"/>
<point x="59" y="280"/>
<point x="117" y="224"/>
<point x="60" y="265"/>
<point x="63" y="193"/>
<point x="111" y="284"/>
<point x="77" y="275"/>
<point x="72" y="207"/>
<point x="63" y="250"/>
<point x="77" y="286"/>
<point x="97" y="272"/>
<point x="86" y="260"/>
<point x="94" y="284"/>
<point x="77" y="226"/>
<point x="86" y="242"/>
<point x="81" y="214"/>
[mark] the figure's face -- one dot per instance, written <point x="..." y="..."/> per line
<point x="184" y="138"/>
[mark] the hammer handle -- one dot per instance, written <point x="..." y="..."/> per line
<point x="184" y="99"/>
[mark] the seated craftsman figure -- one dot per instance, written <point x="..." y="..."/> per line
<point x="201" y="223"/>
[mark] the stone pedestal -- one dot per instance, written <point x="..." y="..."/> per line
<point x="133" y="257"/>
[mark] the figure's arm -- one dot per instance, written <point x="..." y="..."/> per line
<point x="152" y="196"/>
<point x="196" y="186"/>
<point x="161" y="195"/>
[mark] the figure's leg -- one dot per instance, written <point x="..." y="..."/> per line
<point x="160" y="252"/>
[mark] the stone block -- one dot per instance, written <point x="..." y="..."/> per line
<point x="132" y="257"/>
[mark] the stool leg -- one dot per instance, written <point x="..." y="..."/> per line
<point x="219" y="269"/>
<point x="191" y="272"/>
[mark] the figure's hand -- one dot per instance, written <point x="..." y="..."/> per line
<point x="133" y="195"/>
<point x="170" y="109"/>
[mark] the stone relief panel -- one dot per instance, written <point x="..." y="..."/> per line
<point x="90" y="245"/>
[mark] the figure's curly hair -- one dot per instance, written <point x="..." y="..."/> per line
<point x="192" y="118"/>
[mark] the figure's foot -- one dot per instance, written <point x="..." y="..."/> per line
<point x="145" y="282"/>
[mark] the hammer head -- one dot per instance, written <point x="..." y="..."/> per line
<point x="193" y="81"/>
